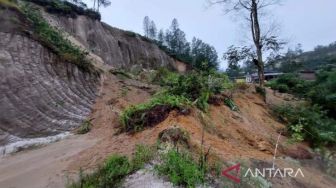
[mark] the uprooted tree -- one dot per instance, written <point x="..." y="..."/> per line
<point x="262" y="40"/>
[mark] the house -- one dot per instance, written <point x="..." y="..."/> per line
<point x="253" y="78"/>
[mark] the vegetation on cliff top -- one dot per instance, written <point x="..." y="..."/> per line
<point x="53" y="38"/>
<point x="66" y="8"/>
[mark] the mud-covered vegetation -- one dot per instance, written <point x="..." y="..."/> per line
<point x="112" y="173"/>
<point x="135" y="118"/>
<point x="53" y="38"/>
<point x="85" y="127"/>
<point x="68" y="9"/>
<point x="179" y="93"/>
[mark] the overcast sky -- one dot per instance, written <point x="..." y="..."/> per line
<point x="309" y="22"/>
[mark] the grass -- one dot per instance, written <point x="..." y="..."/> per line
<point x="114" y="170"/>
<point x="133" y="118"/>
<point x="85" y="127"/>
<point x="180" y="169"/>
<point x="54" y="40"/>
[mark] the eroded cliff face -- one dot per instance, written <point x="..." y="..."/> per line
<point x="118" y="48"/>
<point x="39" y="94"/>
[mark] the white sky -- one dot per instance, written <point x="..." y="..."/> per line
<point x="309" y="22"/>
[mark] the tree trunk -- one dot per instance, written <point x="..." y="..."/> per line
<point x="94" y="4"/>
<point x="255" y="28"/>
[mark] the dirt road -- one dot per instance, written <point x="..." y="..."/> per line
<point x="44" y="167"/>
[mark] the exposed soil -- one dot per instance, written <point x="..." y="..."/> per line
<point x="232" y="136"/>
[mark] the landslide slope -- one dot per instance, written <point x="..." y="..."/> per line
<point x="42" y="95"/>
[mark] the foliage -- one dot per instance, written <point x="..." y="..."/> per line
<point x="195" y="86"/>
<point x="65" y="8"/>
<point x="199" y="54"/>
<point x="261" y="91"/>
<point x="296" y="59"/>
<point x="290" y="83"/>
<point x="53" y="38"/>
<point x="320" y="92"/>
<point x="180" y="169"/>
<point x="114" y="170"/>
<point x="323" y="91"/>
<point x="110" y="175"/>
<point x="231" y="104"/>
<point x="134" y="118"/>
<point x="309" y="123"/>
<point x="85" y="127"/>
<point x="143" y="154"/>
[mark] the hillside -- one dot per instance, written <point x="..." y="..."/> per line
<point x="100" y="91"/>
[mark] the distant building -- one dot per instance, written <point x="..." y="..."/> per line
<point x="254" y="78"/>
<point x="307" y="75"/>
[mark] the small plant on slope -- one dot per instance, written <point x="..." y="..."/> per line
<point x="180" y="169"/>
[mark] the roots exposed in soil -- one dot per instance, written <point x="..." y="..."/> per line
<point x="151" y="117"/>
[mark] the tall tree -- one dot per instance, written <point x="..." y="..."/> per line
<point x="252" y="8"/>
<point x="152" y="30"/>
<point x="202" y="52"/>
<point x="146" y="26"/>
<point x="98" y="3"/>
<point x="176" y="39"/>
<point x="161" y="37"/>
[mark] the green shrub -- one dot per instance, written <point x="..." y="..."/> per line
<point x="309" y="123"/>
<point x="135" y="118"/>
<point x="143" y="154"/>
<point x="195" y="86"/>
<point x="110" y="175"/>
<point x="282" y="88"/>
<point x="323" y="91"/>
<point x="180" y="169"/>
<point x="290" y="83"/>
<point x="53" y="39"/>
<point x="115" y="168"/>
<point x="85" y="127"/>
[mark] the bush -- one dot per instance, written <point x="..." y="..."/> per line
<point x="309" y="123"/>
<point x="282" y="88"/>
<point x="180" y="169"/>
<point x="110" y="175"/>
<point x="85" y="127"/>
<point x="143" y="154"/>
<point x="114" y="170"/>
<point x="290" y="83"/>
<point x="135" y="118"/>
<point x="323" y="91"/>
<point x="53" y="39"/>
<point x="195" y="86"/>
